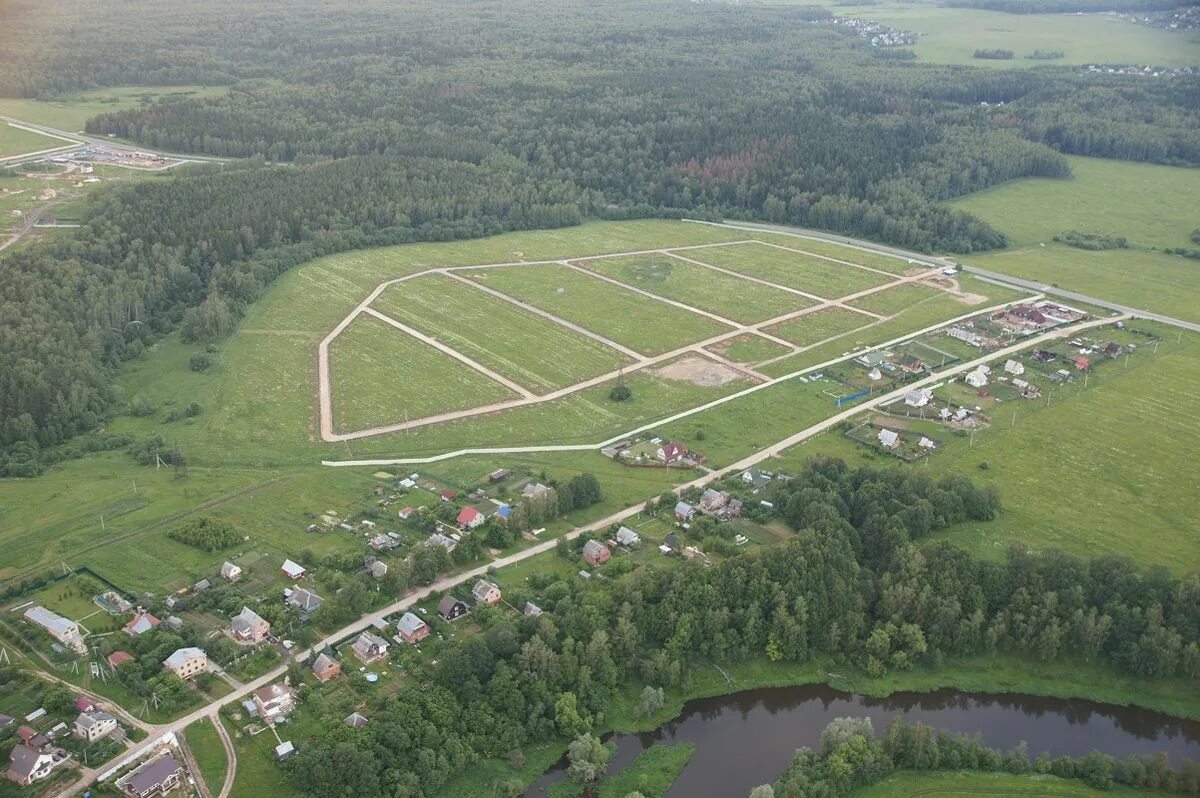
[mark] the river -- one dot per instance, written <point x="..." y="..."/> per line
<point x="748" y="738"/>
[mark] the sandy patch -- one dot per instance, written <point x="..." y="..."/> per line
<point x="699" y="371"/>
<point x="951" y="285"/>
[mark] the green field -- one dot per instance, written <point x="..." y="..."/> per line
<point x="748" y="349"/>
<point x="951" y="36"/>
<point x="815" y="327"/>
<point x="729" y="297"/>
<point x="381" y="375"/>
<point x="876" y="260"/>
<point x="967" y="784"/>
<point x="209" y="753"/>
<point x="1150" y="205"/>
<point x="895" y="300"/>
<point x="69" y="113"/>
<point x="803" y="272"/>
<point x="528" y="349"/>
<point x="651" y="773"/>
<point x="630" y="319"/>
<point x="1112" y="485"/>
<point x="16" y="141"/>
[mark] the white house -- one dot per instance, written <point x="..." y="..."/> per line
<point x="977" y="378"/>
<point x="926" y="444"/>
<point x="918" y="397"/>
<point x="875" y="374"/>
<point x="231" y="572"/>
<point x="64" y="630"/>
<point x="1014" y="368"/>
<point x="92" y="726"/>
<point x="187" y="662"/>
<point x="274" y="701"/>
<point x="888" y="438"/>
<point x="292" y="570"/>
<point x="627" y="537"/>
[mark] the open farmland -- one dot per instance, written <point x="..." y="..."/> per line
<point x="707" y="289"/>
<point x="533" y="351"/>
<point x="819" y="276"/>
<point x="894" y="300"/>
<point x="630" y="319"/>
<point x="380" y="374"/>
<point x="850" y="254"/>
<point x="815" y="327"/>
<point x="18" y="141"/>
<point x="748" y="349"/>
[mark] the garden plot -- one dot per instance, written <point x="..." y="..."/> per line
<point x="380" y="374"/>
<point x="896" y="300"/>
<point x="622" y="315"/>
<point x="815" y="275"/>
<point x="748" y="348"/>
<point x="707" y="289"/>
<point x="812" y="328"/>
<point x="529" y="349"/>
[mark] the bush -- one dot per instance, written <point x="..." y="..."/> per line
<point x="200" y="362"/>
<point x="620" y="393"/>
<point x="209" y="534"/>
<point x="1091" y="241"/>
<point x="995" y="55"/>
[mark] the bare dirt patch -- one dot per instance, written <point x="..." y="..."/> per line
<point x="699" y="371"/>
<point x="951" y="285"/>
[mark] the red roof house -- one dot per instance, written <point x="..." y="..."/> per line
<point x="119" y="658"/>
<point x="469" y="518"/>
<point x="448" y="495"/>
<point x="1082" y="363"/>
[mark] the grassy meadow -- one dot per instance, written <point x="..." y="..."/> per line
<point x="748" y="349"/>
<point x="210" y="755"/>
<point x="381" y="374"/>
<point x="795" y="270"/>
<point x="951" y="36"/>
<point x="17" y="141"/>
<point x="635" y="321"/>
<point x="894" y="300"/>
<point x="72" y="111"/>
<point x="815" y="327"/>
<point x="964" y="785"/>
<point x="1152" y="206"/>
<point x="726" y="296"/>
<point x="528" y="349"/>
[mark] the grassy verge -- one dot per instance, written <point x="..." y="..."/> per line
<point x="909" y="785"/>
<point x="652" y="773"/>
<point x="209" y="753"/>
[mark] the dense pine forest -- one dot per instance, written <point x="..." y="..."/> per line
<point x="385" y="122"/>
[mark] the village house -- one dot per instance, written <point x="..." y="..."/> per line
<point x="486" y="592"/>
<point x="292" y="570"/>
<point x="469" y="518"/>
<point x="406" y="513"/>
<point x="201" y="586"/>
<point x="326" y="667"/>
<point x="27" y="765"/>
<point x="274" y="701"/>
<point x="249" y="627"/>
<point x="376" y="568"/>
<point x="119" y="658"/>
<point x="627" y="537"/>
<point x="64" y="630"/>
<point x="451" y="608"/>
<point x="532" y="610"/>
<point x="230" y="571"/>
<point x="92" y="726"/>
<point x="411" y="629"/>
<point x="533" y="490"/>
<point x="304" y="600"/>
<point x="156" y="777"/>
<point x="733" y="508"/>
<point x="670" y="452"/>
<point x="912" y="364"/>
<point x="977" y="378"/>
<point x="187" y="662"/>
<point x="438" y="539"/>
<point x="596" y="553"/>
<point x="712" y="501"/>
<point x="142" y="622"/>
<point x="875" y="375"/>
<point x="871" y="359"/>
<point x="370" y="647"/>
<point x="918" y="397"/>
<point x="447" y="495"/>
<point x="926" y="444"/>
<point x="1014" y="368"/>
<point x="756" y="479"/>
<point x="383" y="542"/>
<point x="888" y="439"/>
<point x="684" y="511"/>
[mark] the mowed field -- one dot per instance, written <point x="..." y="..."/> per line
<point x="381" y="375"/>
<point x="530" y="350"/>
<point x="951" y="36"/>
<point x="69" y="113"/>
<point x="17" y="141"/>
<point x="815" y="327"/>
<point x="748" y="349"/>
<point x="1152" y="206"/>
<point x="894" y="300"/>
<point x="638" y="322"/>
<point x="818" y="276"/>
<point x="730" y="297"/>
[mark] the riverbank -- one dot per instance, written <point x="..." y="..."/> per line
<point x="910" y="785"/>
<point x="986" y="675"/>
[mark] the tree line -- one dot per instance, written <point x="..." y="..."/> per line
<point x="851" y="586"/>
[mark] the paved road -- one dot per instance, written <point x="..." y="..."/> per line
<point x="83" y="139"/>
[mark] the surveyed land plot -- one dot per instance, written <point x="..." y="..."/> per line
<point x="631" y="319"/>
<point x="876" y="260"/>
<point x="895" y="300"/>
<point x="812" y="328"/>
<point x="530" y="350"/>
<point x="381" y="374"/>
<point x="730" y="297"/>
<point x="815" y="275"/>
<point x="748" y="348"/>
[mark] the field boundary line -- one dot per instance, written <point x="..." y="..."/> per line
<point x="670" y="419"/>
<point x="545" y="314"/>
<point x="645" y="293"/>
<point x="451" y="351"/>
<point x="748" y="278"/>
<point x="828" y="258"/>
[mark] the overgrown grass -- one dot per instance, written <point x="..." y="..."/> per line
<point x="748" y="349"/>
<point x="651" y="773"/>
<point x="209" y="753"/>
<point x="895" y="300"/>
<point x="812" y="328"/>
<point x="910" y="785"/>
<point x="18" y="141"/>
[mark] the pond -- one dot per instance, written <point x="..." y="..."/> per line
<point x="748" y="738"/>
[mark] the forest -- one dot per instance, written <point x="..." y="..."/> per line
<point x="851" y="586"/>
<point x="422" y="121"/>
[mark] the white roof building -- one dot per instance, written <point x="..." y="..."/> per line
<point x="292" y="570"/>
<point x="888" y="438"/>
